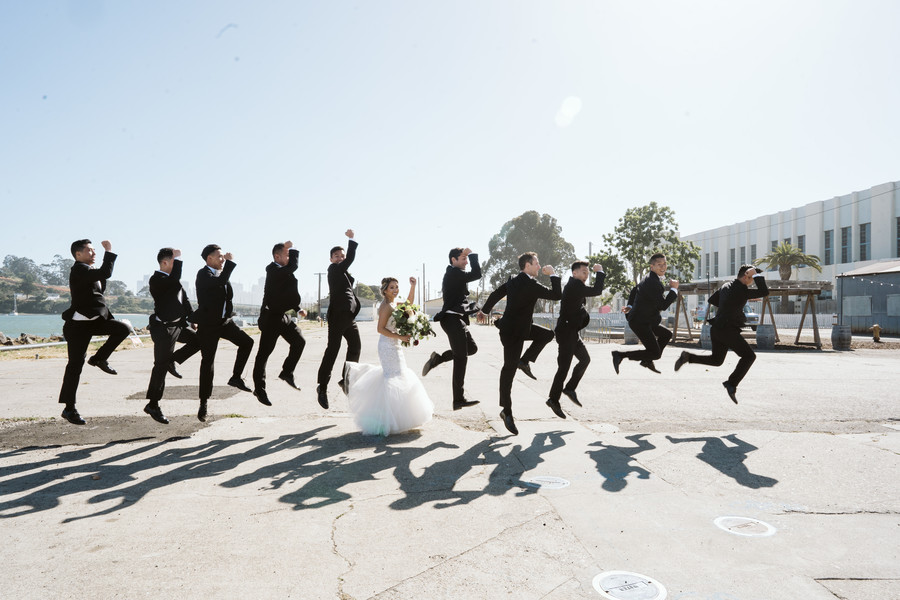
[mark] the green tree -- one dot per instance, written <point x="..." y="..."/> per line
<point x="114" y="287"/>
<point x="646" y="230"/>
<point x="376" y="290"/>
<point x="18" y="266"/>
<point x="617" y="281"/>
<point x="57" y="272"/>
<point x="529" y="232"/>
<point x="28" y="285"/>
<point x="364" y="291"/>
<point x="785" y="257"/>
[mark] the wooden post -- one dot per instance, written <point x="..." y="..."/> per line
<point x="802" y="318"/>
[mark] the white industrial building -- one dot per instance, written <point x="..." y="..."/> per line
<point x="845" y="232"/>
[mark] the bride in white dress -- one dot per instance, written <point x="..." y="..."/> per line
<point x="388" y="398"/>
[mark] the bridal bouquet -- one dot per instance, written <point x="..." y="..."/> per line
<point x="412" y="322"/>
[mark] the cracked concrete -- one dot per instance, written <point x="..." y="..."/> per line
<point x="290" y="502"/>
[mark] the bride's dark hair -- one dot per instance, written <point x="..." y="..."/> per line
<point x="385" y="282"/>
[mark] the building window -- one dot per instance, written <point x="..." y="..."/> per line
<point x="743" y="255"/>
<point x="898" y="236"/>
<point x="774" y="245"/>
<point x="731" y="262"/>
<point x="846" y="240"/>
<point x="753" y="246"/>
<point x="707" y="264"/>
<point x="865" y="230"/>
<point x="715" y="264"/>
<point x="829" y="246"/>
<point x="801" y="244"/>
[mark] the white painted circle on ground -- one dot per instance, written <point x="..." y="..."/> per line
<point x="622" y="585"/>
<point x="548" y="482"/>
<point x="745" y="526"/>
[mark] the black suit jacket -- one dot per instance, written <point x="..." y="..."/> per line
<point x="170" y="302"/>
<point x="647" y="300"/>
<point x="214" y="296"/>
<point x="521" y="292"/>
<point x="86" y="286"/>
<point x="342" y="299"/>
<point x="730" y="300"/>
<point x="281" y="293"/>
<point x="454" y="289"/>
<point x="572" y="314"/>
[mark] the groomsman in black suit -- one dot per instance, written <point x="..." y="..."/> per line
<point x="642" y="313"/>
<point x="280" y="295"/>
<point x="573" y="317"/>
<point x="343" y="307"/>
<point x="725" y="330"/>
<point x="516" y="326"/>
<point x="168" y="325"/>
<point x="454" y="320"/>
<point x="213" y="318"/>
<point x="88" y="316"/>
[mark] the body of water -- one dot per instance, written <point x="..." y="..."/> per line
<point x="47" y="325"/>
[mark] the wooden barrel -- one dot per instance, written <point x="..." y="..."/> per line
<point x="765" y="337"/>
<point x="840" y="337"/>
<point x="705" y="340"/>
<point x="630" y="336"/>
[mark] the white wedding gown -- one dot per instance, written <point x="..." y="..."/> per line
<point x="389" y="398"/>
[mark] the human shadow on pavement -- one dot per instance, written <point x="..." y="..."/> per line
<point x="437" y="482"/>
<point x="119" y="474"/>
<point x="729" y="459"/>
<point x="614" y="463"/>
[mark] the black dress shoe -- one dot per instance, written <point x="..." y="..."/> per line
<point x="572" y="396"/>
<point x="732" y="391"/>
<point x="681" y="361"/>
<point x="262" y="397"/>
<point x="648" y="364"/>
<point x="201" y="414"/>
<point x="288" y="378"/>
<point x="171" y="369"/>
<point x="156" y="413"/>
<point x="465" y="404"/>
<point x="102" y="365"/>
<point x="525" y="368"/>
<point x="71" y="415"/>
<point x="239" y="384"/>
<point x="432" y="362"/>
<point x="322" y="395"/>
<point x="508" y="421"/>
<point x="556" y="408"/>
<point x="617" y="360"/>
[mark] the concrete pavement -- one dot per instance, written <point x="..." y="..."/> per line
<point x="289" y="501"/>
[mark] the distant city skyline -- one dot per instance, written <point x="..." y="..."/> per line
<point x="425" y="126"/>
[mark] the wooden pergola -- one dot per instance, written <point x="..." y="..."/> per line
<point x="810" y="289"/>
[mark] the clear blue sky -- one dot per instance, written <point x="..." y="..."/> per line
<point x="426" y="125"/>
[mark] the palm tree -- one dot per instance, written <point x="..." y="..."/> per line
<point x="785" y="257"/>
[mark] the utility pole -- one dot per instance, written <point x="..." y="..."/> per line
<point x="424" y="295"/>
<point x="319" y="297"/>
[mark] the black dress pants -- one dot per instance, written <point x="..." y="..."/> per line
<point x="512" y="354"/>
<point x="339" y="327"/>
<point x="655" y="338"/>
<point x="570" y="345"/>
<point x="462" y="346"/>
<point x="164" y="338"/>
<point x="271" y="327"/>
<point x="725" y="339"/>
<point x="78" y="336"/>
<point x="209" y="335"/>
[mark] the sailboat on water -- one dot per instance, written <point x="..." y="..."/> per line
<point x="15" y="307"/>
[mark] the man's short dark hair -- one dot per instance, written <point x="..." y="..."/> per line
<point x="526" y="259"/>
<point x="164" y="253"/>
<point x="209" y="249"/>
<point x="79" y="245"/>
<point x="277" y="248"/>
<point x="335" y="249"/>
<point x="455" y="253"/>
<point x="578" y="264"/>
<point x="656" y="257"/>
<point x="743" y="270"/>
